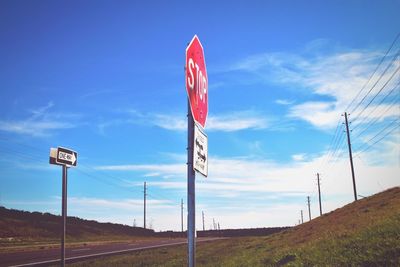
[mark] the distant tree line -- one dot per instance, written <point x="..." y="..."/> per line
<point x="24" y="224"/>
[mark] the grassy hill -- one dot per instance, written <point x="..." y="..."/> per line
<point x="363" y="233"/>
<point x="20" y="226"/>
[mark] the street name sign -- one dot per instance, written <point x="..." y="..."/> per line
<point x="200" y="151"/>
<point x="197" y="81"/>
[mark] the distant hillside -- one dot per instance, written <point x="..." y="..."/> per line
<point x="24" y="225"/>
<point x="36" y="225"/>
<point x="241" y="232"/>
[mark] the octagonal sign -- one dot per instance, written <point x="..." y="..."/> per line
<point x="197" y="81"/>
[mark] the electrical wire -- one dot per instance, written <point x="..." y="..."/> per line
<point x="372" y="75"/>
<point x="380" y="90"/>
<point x="381" y="131"/>
<point x="377" y="141"/>
<point x="376" y="106"/>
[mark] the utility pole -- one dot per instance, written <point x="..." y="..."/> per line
<point x="302" y="221"/>
<point x="144" y="210"/>
<point x="309" y="210"/>
<point x="202" y="213"/>
<point x="182" y="214"/>
<point x="319" y="196"/>
<point x="351" y="156"/>
<point x="213" y="223"/>
<point x="219" y="228"/>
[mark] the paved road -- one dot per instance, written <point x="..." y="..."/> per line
<point x="46" y="257"/>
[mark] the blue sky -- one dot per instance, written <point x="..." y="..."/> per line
<point x="106" y="79"/>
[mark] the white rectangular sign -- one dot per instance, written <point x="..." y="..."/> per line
<point x="200" y="151"/>
<point x="63" y="156"/>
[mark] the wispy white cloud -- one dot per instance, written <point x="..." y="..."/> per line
<point x="284" y="102"/>
<point x="299" y="157"/>
<point x="336" y="75"/>
<point x="234" y="121"/>
<point x="40" y="123"/>
<point x="274" y="186"/>
<point x="247" y="175"/>
<point x="237" y="121"/>
<point x="150" y="170"/>
<point x="127" y="204"/>
<point x="169" y="122"/>
<point x="320" y="114"/>
<point x="125" y="211"/>
<point x="33" y="128"/>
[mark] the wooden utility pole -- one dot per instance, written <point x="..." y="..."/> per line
<point x="144" y="206"/>
<point x="351" y="156"/>
<point x="319" y="195"/>
<point x="182" y="214"/>
<point x="309" y="209"/>
<point x="302" y="221"/>
<point x="202" y="213"/>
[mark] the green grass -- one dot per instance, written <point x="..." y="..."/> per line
<point x="364" y="233"/>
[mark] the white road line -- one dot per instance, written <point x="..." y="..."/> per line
<point x="109" y="253"/>
<point x="81" y="249"/>
<point x="98" y="254"/>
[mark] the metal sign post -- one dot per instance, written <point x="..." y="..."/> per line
<point x="64" y="212"/>
<point x="191" y="193"/>
<point x="197" y="89"/>
<point x="65" y="158"/>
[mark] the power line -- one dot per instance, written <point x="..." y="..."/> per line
<point x="372" y="75"/>
<point x="338" y="149"/>
<point x="372" y="122"/>
<point x="158" y="195"/>
<point x="332" y="144"/>
<point x="380" y="90"/>
<point x="377" y="141"/>
<point x="106" y="182"/>
<point x="381" y="131"/>
<point x="339" y="140"/>
<point x="376" y="106"/>
<point x="38" y="158"/>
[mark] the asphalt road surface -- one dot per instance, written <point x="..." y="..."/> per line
<point x="45" y="257"/>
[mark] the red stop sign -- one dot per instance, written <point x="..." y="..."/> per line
<point x="197" y="81"/>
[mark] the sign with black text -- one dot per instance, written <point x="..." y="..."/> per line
<point x="63" y="156"/>
<point x="200" y="151"/>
